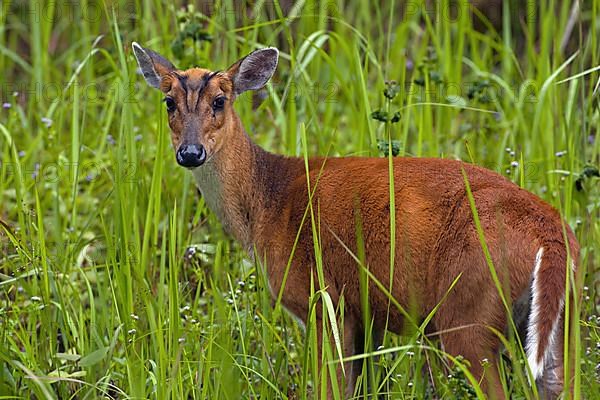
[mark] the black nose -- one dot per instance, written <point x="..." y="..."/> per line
<point x="191" y="155"/>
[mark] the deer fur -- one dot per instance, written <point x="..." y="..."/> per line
<point x="261" y="199"/>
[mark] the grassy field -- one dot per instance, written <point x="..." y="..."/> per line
<point x="117" y="282"/>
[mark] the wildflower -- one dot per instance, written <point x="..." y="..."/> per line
<point x="137" y="138"/>
<point x="6" y="105"/>
<point x="22" y="153"/>
<point x="514" y="164"/>
<point x="190" y="252"/>
<point x="47" y="121"/>
<point x="36" y="170"/>
<point x="110" y="140"/>
<point x="560" y="153"/>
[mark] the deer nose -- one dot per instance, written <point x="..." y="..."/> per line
<point x="191" y="155"/>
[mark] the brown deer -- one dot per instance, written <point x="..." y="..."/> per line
<point x="261" y="199"/>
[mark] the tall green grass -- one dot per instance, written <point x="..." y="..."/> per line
<point x="117" y="282"/>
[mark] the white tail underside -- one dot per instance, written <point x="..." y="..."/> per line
<point x="537" y="364"/>
<point x="533" y="340"/>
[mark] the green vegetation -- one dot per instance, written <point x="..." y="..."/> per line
<point x="117" y="282"/>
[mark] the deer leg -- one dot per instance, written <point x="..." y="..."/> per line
<point x="476" y="344"/>
<point x="353" y="344"/>
<point x="350" y="338"/>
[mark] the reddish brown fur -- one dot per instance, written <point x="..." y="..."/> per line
<point x="262" y="197"/>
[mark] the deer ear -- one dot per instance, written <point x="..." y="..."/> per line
<point x="253" y="71"/>
<point x="153" y="65"/>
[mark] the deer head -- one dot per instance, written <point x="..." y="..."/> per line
<point x="199" y="102"/>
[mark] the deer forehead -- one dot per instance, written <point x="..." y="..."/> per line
<point x="196" y="80"/>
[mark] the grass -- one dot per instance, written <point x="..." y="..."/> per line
<point x="117" y="282"/>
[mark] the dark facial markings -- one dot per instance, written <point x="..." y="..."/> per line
<point x="194" y="86"/>
<point x="183" y="83"/>
<point x="203" y="84"/>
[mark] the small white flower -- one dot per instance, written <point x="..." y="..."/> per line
<point x="47" y="121"/>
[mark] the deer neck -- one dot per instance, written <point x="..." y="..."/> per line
<point x="244" y="184"/>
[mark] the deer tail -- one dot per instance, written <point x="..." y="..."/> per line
<point x="544" y="327"/>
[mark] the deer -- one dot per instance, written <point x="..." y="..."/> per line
<point x="260" y="199"/>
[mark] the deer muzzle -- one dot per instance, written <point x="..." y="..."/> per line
<point x="191" y="155"/>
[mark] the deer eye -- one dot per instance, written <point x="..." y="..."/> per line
<point x="219" y="103"/>
<point x="171" y="106"/>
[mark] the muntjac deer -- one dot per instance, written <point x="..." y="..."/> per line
<point x="261" y="199"/>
